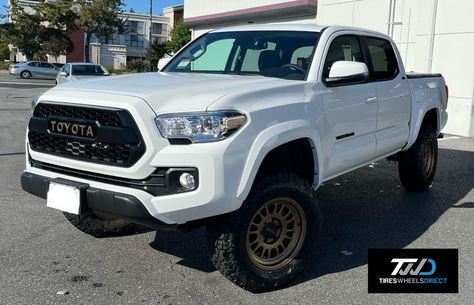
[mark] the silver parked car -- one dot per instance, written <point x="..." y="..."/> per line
<point x="80" y="70"/>
<point x="30" y="69"/>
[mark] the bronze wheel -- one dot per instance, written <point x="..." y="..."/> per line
<point x="268" y="241"/>
<point x="417" y="165"/>
<point x="276" y="233"/>
<point x="428" y="158"/>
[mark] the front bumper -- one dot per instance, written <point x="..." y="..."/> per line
<point x="219" y="165"/>
<point x="98" y="201"/>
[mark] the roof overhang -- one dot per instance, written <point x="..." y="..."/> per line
<point x="290" y="9"/>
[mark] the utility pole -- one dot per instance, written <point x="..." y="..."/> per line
<point x="150" y="29"/>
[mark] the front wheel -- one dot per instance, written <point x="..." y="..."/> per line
<point x="266" y="243"/>
<point x="25" y="74"/>
<point x="417" y="165"/>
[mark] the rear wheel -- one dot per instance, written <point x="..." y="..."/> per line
<point x="417" y="165"/>
<point x="266" y="243"/>
<point x="25" y="74"/>
<point x="100" y="226"/>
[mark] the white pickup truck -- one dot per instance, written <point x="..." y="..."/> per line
<point x="236" y="132"/>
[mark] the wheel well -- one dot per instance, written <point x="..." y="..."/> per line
<point x="294" y="157"/>
<point x="430" y="119"/>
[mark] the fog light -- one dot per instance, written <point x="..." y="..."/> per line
<point x="187" y="181"/>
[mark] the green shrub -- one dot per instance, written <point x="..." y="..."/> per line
<point x="137" y="64"/>
<point x="4" y="65"/>
<point x="123" y="71"/>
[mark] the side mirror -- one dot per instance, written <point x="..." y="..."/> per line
<point x="347" y="72"/>
<point x="63" y="73"/>
<point x="163" y="62"/>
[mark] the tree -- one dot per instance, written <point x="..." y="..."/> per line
<point x="4" y="51"/>
<point x="179" y="36"/>
<point x="60" y="17"/>
<point x="156" y="51"/>
<point x="100" y="17"/>
<point x="25" y="30"/>
<point x="43" y="31"/>
<point x="59" y="14"/>
<point x="56" y="42"/>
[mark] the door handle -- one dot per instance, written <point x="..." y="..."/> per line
<point x="371" y="100"/>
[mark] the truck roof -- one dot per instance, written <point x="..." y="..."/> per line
<point x="286" y="26"/>
<point x="309" y="27"/>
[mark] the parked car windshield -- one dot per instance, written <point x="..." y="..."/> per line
<point x="282" y="54"/>
<point x="88" y="70"/>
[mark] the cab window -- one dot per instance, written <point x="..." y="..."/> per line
<point x="301" y="57"/>
<point x="343" y="48"/>
<point x="383" y="59"/>
<point x="282" y="54"/>
<point x="250" y="62"/>
<point x="214" y="57"/>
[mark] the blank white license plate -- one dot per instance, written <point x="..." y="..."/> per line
<point x="64" y="197"/>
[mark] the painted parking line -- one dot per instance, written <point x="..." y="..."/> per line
<point x="26" y="84"/>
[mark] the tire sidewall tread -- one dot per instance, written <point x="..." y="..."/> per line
<point x="410" y="163"/>
<point x="227" y="236"/>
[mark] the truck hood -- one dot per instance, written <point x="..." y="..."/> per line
<point x="171" y="92"/>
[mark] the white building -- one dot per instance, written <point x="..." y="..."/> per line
<point x="117" y="49"/>
<point x="203" y="15"/>
<point x="432" y="35"/>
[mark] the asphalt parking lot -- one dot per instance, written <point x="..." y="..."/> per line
<point x="42" y="254"/>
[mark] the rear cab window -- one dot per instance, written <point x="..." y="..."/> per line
<point x="382" y="58"/>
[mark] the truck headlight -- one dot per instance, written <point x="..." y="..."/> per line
<point x="200" y="127"/>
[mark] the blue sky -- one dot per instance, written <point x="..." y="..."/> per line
<point x="140" y="6"/>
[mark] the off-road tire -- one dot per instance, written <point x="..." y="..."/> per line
<point x="417" y="165"/>
<point x="228" y="236"/>
<point x="99" y="226"/>
<point x="25" y="74"/>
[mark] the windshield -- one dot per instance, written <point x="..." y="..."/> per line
<point x="282" y="54"/>
<point x="88" y="70"/>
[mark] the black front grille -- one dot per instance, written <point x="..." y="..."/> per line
<point x="104" y="117"/>
<point x="118" y="141"/>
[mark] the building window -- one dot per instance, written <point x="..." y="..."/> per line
<point x="137" y="27"/>
<point x="135" y="41"/>
<point x="112" y="39"/>
<point x="159" y="29"/>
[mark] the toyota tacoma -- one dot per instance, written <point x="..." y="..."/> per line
<point x="236" y="132"/>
